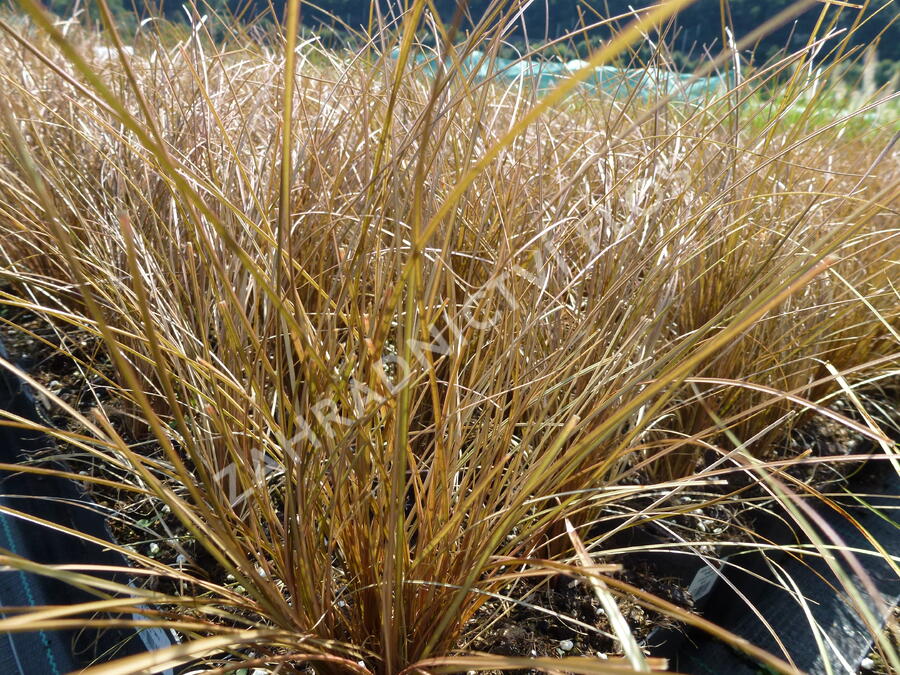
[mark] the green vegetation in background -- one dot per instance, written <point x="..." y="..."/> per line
<point x="698" y="24"/>
<point x="697" y="28"/>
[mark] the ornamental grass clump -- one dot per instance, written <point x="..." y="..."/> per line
<point x="378" y="343"/>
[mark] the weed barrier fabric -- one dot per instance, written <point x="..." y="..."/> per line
<point x="842" y="634"/>
<point x="63" y="502"/>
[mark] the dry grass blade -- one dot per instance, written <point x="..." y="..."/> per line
<point x="889" y="448"/>
<point x="629" y="645"/>
<point x="485" y="662"/>
<point x="355" y="336"/>
<point x="170" y="657"/>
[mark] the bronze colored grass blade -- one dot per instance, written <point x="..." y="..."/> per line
<point x="373" y="336"/>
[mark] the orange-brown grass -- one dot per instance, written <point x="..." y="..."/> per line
<point x="601" y="283"/>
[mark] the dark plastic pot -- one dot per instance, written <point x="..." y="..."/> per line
<point x="63" y="502"/>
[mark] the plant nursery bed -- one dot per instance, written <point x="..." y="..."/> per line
<point x="679" y="558"/>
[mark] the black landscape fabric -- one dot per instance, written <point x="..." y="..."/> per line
<point x="761" y="579"/>
<point x="62" y="502"/>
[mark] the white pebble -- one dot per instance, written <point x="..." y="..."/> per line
<point x="868" y="664"/>
<point x="566" y="645"/>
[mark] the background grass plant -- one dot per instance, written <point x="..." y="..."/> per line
<point x="607" y="289"/>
